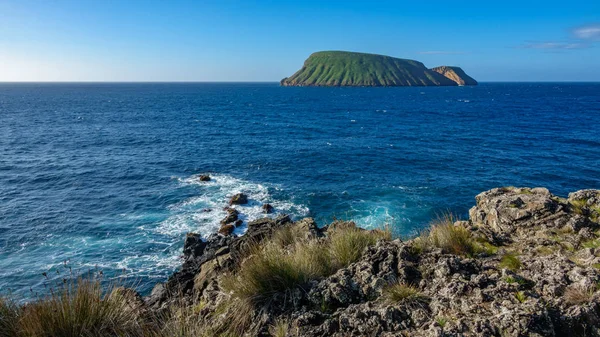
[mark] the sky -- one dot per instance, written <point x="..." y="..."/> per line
<point x="228" y="40"/>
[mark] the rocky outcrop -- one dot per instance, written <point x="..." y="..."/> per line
<point x="455" y="74"/>
<point x="538" y="276"/>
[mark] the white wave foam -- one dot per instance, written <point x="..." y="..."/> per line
<point x="202" y="214"/>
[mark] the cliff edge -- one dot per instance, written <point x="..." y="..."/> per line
<point x="525" y="263"/>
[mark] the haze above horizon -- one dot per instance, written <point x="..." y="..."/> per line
<point x="217" y="41"/>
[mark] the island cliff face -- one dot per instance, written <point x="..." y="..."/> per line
<point x="340" y="68"/>
<point x="525" y="263"/>
<point x="456" y="74"/>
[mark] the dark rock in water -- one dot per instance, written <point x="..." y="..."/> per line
<point x="204" y="177"/>
<point x="206" y="210"/>
<point x="193" y="246"/>
<point x="238" y="223"/>
<point x="267" y="208"/>
<point x="232" y="216"/>
<point x="226" y="229"/>
<point x="238" y="199"/>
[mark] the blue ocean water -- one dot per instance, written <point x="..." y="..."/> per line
<point x="105" y="175"/>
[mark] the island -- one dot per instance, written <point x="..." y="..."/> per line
<point x="352" y="69"/>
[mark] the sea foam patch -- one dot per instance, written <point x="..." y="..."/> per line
<point x="203" y="213"/>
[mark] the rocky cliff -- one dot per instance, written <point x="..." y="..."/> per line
<point x="525" y="263"/>
<point x="455" y="74"/>
<point x="340" y="68"/>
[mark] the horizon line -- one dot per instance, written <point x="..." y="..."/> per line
<point x="257" y="82"/>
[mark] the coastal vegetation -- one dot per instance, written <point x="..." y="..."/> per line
<point x="341" y="68"/>
<point x="286" y="278"/>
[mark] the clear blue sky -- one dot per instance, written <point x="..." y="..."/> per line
<point x="266" y="40"/>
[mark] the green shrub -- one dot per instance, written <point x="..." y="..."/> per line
<point x="511" y="262"/>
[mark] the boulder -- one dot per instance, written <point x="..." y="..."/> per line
<point x="193" y="246"/>
<point x="226" y="229"/>
<point x="267" y="208"/>
<point x="232" y="216"/>
<point x="204" y="177"/>
<point x="238" y="199"/>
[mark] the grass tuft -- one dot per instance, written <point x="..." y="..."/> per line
<point x="452" y="239"/>
<point x="575" y="295"/>
<point x="9" y="314"/>
<point x="346" y="245"/>
<point x="511" y="262"/>
<point x="81" y="308"/>
<point x="594" y="243"/>
<point x="279" y="267"/>
<point x="578" y="206"/>
<point x="280" y="328"/>
<point x="441" y="321"/>
<point x="401" y="293"/>
<point x="521" y="297"/>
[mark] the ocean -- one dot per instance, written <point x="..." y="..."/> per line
<point x="104" y="176"/>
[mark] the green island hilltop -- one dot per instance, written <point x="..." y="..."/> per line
<point x="342" y="68"/>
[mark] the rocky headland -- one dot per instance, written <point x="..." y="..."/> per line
<point x="351" y="69"/>
<point x="456" y="74"/>
<point x="525" y="263"/>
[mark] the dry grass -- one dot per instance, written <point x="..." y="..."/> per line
<point x="511" y="262"/>
<point x="452" y="239"/>
<point x="80" y="308"/>
<point x="401" y="293"/>
<point x="280" y="328"/>
<point x="346" y="245"/>
<point x="9" y="313"/>
<point x="271" y="271"/>
<point x="575" y="295"/>
<point x="277" y="268"/>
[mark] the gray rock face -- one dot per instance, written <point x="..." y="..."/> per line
<point x="551" y="291"/>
